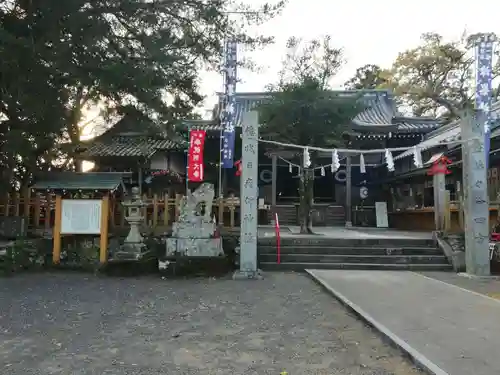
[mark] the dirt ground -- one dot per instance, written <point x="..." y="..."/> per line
<point x="74" y="324"/>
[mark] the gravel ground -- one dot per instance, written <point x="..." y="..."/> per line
<point x="74" y="324"/>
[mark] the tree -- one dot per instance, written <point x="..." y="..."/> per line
<point x="367" y="77"/>
<point x="303" y="111"/>
<point x="60" y="59"/>
<point x="437" y="77"/>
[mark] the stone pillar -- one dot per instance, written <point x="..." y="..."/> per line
<point x="273" y="179"/>
<point x="249" y="199"/>
<point x="439" y="187"/>
<point x="476" y="204"/>
<point x="348" y="192"/>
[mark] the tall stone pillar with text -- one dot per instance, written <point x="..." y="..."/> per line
<point x="476" y="205"/>
<point x="249" y="198"/>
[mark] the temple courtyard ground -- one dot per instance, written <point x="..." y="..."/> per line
<point x="76" y="324"/>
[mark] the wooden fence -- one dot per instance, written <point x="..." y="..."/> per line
<point x="159" y="212"/>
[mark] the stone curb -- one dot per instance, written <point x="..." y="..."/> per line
<point x="417" y="358"/>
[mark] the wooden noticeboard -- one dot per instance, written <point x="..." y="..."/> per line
<point x="81" y="216"/>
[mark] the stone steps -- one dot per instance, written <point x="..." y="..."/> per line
<point x="355" y="259"/>
<point x="330" y="215"/>
<point x="349" y="250"/>
<point x="307" y="241"/>
<point x="302" y="252"/>
<point x="273" y="266"/>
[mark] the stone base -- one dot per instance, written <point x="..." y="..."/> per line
<point x="248" y="275"/>
<point x="478" y="277"/>
<point x="129" y="252"/>
<point x="194" y="247"/>
<point x="198" y="227"/>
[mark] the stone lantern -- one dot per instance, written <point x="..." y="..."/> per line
<point x="134" y="243"/>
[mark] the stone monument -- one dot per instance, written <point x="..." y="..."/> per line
<point x="476" y="203"/>
<point x="249" y="198"/>
<point x="193" y="232"/>
<point x="133" y="246"/>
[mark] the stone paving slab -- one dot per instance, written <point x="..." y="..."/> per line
<point x="447" y="329"/>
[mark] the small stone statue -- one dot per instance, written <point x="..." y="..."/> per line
<point x="193" y="233"/>
<point x="192" y="202"/>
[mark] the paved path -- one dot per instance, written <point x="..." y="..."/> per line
<point x="71" y="324"/>
<point x="448" y="329"/>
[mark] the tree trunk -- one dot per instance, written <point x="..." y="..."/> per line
<point x="306" y="200"/>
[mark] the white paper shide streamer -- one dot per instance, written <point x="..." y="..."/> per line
<point x="290" y="168"/>
<point x="389" y="160"/>
<point x="335" y="161"/>
<point x="362" y="165"/>
<point x="307" y="158"/>
<point x="322" y="171"/>
<point x="417" y="157"/>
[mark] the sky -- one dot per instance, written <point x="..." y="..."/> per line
<point x="369" y="32"/>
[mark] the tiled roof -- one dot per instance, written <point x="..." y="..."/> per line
<point x="415" y="125"/>
<point x="129" y="146"/>
<point x="207" y="125"/>
<point x="379" y="114"/>
<point x="108" y="181"/>
<point x="452" y="132"/>
<point x="379" y="110"/>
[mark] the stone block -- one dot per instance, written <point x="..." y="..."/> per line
<point x="194" y="247"/>
<point x="197" y="229"/>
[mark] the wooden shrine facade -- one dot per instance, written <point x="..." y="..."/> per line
<point x="409" y="191"/>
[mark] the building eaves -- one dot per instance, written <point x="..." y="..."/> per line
<point x="450" y="133"/>
<point x="101" y="181"/>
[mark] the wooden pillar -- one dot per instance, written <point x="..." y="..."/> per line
<point x="56" y="250"/>
<point x="166" y="209"/>
<point x="348" y="192"/>
<point x="274" y="175"/>
<point x="439" y="187"/>
<point x="447" y="213"/>
<point x="103" y="243"/>
<point x="139" y="179"/>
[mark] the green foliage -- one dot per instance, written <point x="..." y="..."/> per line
<point x="303" y="113"/>
<point x="23" y="254"/>
<point x="302" y="110"/>
<point x="367" y="77"/>
<point x="59" y="59"/>
<point x="437" y="77"/>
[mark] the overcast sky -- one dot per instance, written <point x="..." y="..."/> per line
<point x="369" y="32"/>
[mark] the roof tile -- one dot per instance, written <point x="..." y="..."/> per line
<point x="79" y="181"/>
<point x="130" y="146"/>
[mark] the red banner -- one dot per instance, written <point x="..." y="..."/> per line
<point x="195" y="156"/>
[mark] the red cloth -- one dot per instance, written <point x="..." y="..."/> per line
<point x="196" y="169"/>
<point x="495" y="236"/>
